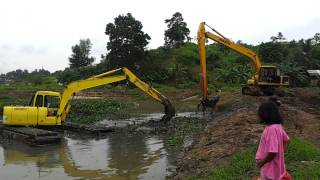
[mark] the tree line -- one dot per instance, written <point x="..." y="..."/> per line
<point x="35" y="77"/>
<point x="127" y="42"/>
<point x="177" y="61"/>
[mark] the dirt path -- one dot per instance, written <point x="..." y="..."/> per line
<point x="238" y="127"/>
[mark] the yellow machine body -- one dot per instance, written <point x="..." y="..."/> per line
<point x="39" y="112"/>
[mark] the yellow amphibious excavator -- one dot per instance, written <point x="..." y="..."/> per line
<point x="48" y="108"/>
<point x="265" y="80"/>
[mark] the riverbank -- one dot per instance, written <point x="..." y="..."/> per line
<point x="229" y="141"/>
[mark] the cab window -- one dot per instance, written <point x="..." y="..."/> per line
<point x="31" y="100"/>
<point x="51" y="101"/>
<point x="39" y="101"/>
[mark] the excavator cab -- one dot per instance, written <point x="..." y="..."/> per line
<point x="47" y="99"/>
<point x="267" y="83"/>
<point x="42" y="110"/>
<point x="269" y="74"/>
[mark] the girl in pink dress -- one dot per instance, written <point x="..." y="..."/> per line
<point x="273" y="142"/>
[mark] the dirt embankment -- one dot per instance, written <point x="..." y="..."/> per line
<point x="238" y="127"/>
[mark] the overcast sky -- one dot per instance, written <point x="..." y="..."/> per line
<point x="39" y="33"/>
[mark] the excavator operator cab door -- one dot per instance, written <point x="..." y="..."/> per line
<point x="50" y="103"/>
<point x="47" y="107"/>
<point x="269" y="75"/>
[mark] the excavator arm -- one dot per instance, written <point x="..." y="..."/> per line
<point x="202" y="35"/>
<point x="219" y="38"/>
<point x="107" y="78"/>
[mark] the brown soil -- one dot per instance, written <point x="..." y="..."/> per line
<point x="238" y="127"/>
<point x="179" y="94"/>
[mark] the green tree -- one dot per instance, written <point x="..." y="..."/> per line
<point x="298" y="75"/>
<point x="232" y="72"/>
<point x="81" y="54"/>
<point x="177" y="31"/>
<point x="127" y="42"/>
<point x="17" y="75"/>
<point x="271" y="52"/>
<point x="278" y="38"/>
<point x="316" y="38"/>
<point x="71" y="74"/>
<point x="315" y="55"/>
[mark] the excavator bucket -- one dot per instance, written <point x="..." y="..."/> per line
<point x="212" y="101"/>
<point x="169" y="111"/>
<point x="209" y="102"/>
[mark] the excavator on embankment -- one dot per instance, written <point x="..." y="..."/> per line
<point x="265" y="79"/>
<point x="48" y="108"/>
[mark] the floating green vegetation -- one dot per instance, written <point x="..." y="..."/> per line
<point x="92" y="110"/>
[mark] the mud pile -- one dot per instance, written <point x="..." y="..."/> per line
<point x="239" y="127"/>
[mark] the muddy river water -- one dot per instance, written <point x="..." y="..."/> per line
<point x="116" y="156"/>
<point x="112" y="156"/>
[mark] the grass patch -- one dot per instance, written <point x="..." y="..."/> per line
<point x="163" y="87"/>
<point x="302" y="160"/>
<point x="187" y="85"/>
<point x="225" y="87"/>
<point x="302" y="150"/>
<point x="240" y="167"/>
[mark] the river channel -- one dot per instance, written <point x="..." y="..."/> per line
<point x="112" y="156"/>
<point x="115" y="156"/>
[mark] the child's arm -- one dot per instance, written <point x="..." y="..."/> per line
<point x="267" y="159"/>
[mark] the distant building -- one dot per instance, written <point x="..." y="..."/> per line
<point x="3" y="80"/>
<point x="314" y="76"/>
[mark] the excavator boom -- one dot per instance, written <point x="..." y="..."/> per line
<point x="48" y="108"/>
<point x="107" y="78"/>
<point x="219" y="38"/>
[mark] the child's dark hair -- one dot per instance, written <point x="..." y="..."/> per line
<point x="269" y="113"/>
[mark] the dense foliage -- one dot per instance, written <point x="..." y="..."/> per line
<point x="72" y="74"/>
<point x="36" y="77"/>
<point x="81" y="54"/>
<point x="177" y="31"/>
<point x="127" y="42"/>
<point x="293" y="57"/>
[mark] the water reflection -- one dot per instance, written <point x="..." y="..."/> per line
<point x="117" y="156"/>
<point x="94" y="153"/>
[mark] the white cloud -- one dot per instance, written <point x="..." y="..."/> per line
<point x="50" y="27"/>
